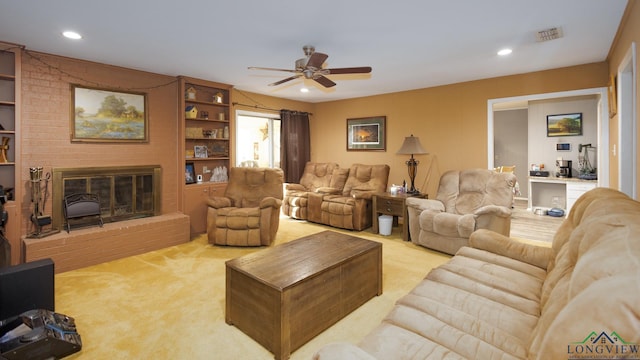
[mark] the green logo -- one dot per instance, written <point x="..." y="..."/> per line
<point x="603" y="346"/>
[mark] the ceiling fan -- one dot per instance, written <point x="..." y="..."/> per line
<point x="311" y="68"/>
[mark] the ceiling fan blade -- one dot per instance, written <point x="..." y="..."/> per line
<point x="272" y="69"/>
<point x="324" y="81"/>
<point x="285" y="80"/>
<point x="351" y="70"/>
<point x="316" y="60"/>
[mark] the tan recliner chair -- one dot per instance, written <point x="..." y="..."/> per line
<point x="467" y="200"/>
<point x="249" y="212"/>
<point x="315" y="176"/>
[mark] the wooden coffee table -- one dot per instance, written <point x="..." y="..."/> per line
<point x="285" y="295"/>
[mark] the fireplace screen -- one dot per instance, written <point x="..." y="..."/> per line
<point x="124" y="192"/>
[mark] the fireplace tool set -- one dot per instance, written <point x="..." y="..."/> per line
<point x="39" y="194"/>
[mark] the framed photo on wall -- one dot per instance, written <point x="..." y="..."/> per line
<point x="103" y="115"/>
<point x="367" y="134"/>
<point x="564" y="125"/>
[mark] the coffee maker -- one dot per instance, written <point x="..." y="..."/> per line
<point x="563" y="168"/>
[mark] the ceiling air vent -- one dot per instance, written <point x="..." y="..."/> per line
<point x="549" y="34"/>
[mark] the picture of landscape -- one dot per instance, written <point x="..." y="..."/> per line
<point x="366" y="133"/>
<point x="105" y="115"/>
<point x="564" y="125"/>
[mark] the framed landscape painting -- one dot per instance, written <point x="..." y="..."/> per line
<point x="102" y="115"/>
<point x="564" y="125"/>
<point x="366" y="133"/>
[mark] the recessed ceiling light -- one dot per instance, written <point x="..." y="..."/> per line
<point x="304" y="90"/>
<point x="505" y="52"/>
<point x="72" y="35"/>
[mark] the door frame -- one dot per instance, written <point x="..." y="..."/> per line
<point x="627" y="128"/>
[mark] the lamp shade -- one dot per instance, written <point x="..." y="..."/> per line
<point x="410" y="146"/>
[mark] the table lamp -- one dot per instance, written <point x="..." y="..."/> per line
<point x="411" y="146"/>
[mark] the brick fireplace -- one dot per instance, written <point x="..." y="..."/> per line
<point x="131" y="209"/>
<point x="125" y="192"/>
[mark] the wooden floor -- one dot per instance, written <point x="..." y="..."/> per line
<point x="525" y="224"/>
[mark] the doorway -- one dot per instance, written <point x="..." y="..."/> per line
<point x="257" y="140"/>
<point x="602" y="124"/>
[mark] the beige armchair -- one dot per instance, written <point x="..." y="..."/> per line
<point x="315" y="176"/>
<point x="249" y="212"/>
<point x="467" y="200"/>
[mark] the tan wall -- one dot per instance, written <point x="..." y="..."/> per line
<point x="45" y="127"/>
<point x="628" y="33"/>
<point x="451" y="120"/>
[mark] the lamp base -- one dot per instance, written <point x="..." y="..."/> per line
<point x="413" y="192"/>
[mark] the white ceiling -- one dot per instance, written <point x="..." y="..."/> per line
<point x="410" y="44"/>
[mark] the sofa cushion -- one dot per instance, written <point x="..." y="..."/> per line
<point x="371" y="178"/>
<point x="339" y="178"/>
<point x="316" y="175"/>
<point x="478" y="305"/>
<point x="465" y="191"/>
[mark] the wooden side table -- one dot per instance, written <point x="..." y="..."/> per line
<point x="394" y="205"/>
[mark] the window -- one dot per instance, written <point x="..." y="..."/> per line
<point x="257" y="139"/>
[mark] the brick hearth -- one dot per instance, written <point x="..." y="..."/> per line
<point x="95" y="245"/>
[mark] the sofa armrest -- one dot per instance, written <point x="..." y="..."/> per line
<point x="328" y="190"/>
<point x="270" y="202"/>
<point x="494" y="210"/>
<point x="362" y="194"/>
<point x="341" y="350"/>
<point x="502" y="245"/>
<point x="424" y="204"/>
<point x="296" y="187"/>
<point x="218" y="202"/>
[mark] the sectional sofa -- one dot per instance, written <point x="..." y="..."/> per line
<point x="500" y="298"/>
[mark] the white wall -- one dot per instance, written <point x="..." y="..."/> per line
<point x="542" y="149"/>
<point x="510" y="145"/>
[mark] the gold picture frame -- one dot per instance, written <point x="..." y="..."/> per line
<point x="104" y="115"/>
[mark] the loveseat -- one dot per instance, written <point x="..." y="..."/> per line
<point x="347" y="202"/>
<point x="500" y="298"/>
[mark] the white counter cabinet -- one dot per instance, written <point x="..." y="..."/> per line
<point x="548" y="192"/>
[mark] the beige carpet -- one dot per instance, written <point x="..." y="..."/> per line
<point x="169" y="304"/>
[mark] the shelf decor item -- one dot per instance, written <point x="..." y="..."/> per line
<point x="103" y="115"/>
<point x="191" y="93"/>
<point x="200" y="151"/>
<point x="191" y="112"/>
<point x="218" y="98"/>
<point x="189" y="173"/>
<point x="3" y="149"/>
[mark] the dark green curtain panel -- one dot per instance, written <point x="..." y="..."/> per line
<point x="295" y="151"/>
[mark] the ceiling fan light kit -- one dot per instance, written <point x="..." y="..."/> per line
<point x="310" y="67"/>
